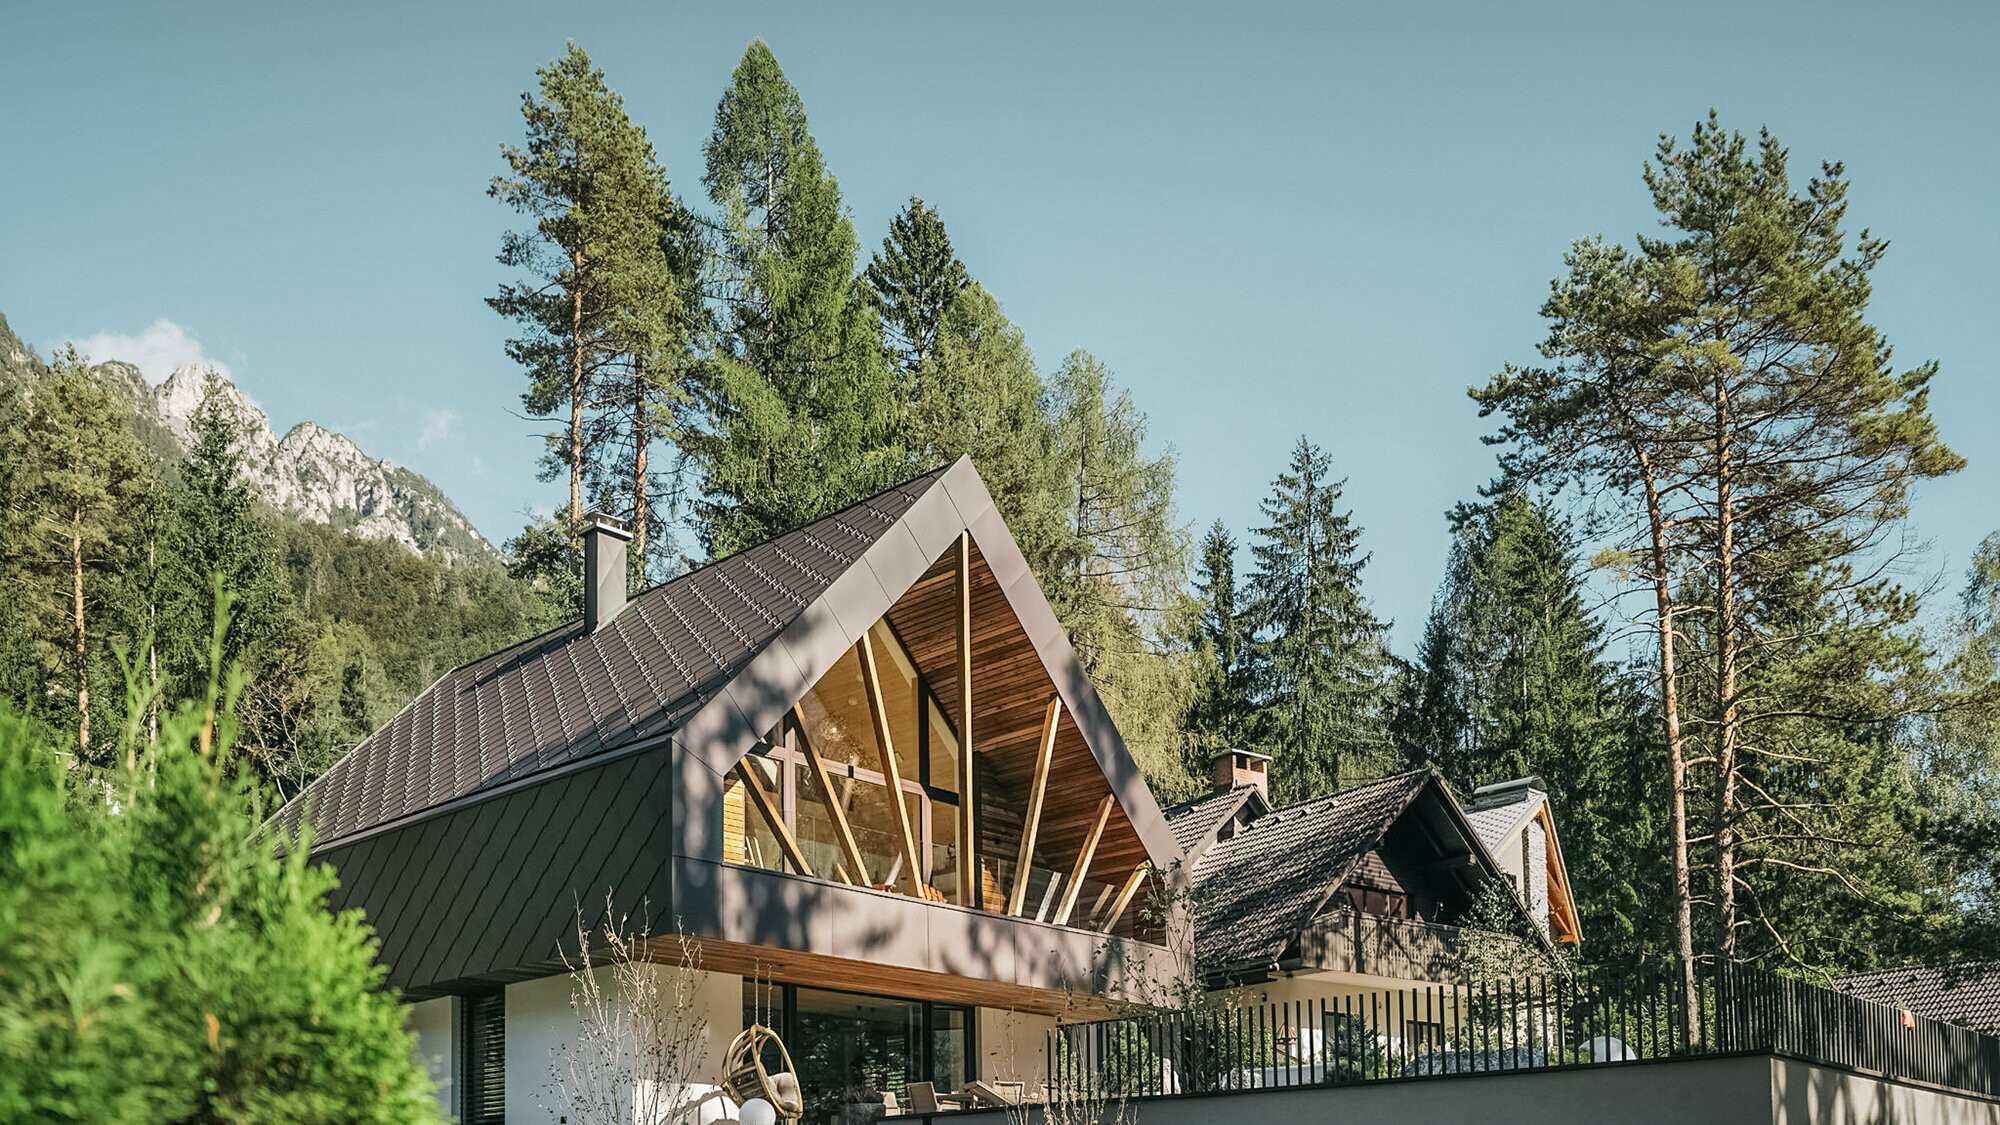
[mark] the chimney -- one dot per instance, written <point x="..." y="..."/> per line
<point x="1509" y="792"/>
<point x="604" y="540"/>
<point x="1233" y="769"/>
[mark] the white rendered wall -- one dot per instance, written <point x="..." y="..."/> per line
<point x="1013" y="1047"/>
<point x="1538" y="874"/>
<point x="539" y="1019"/>
<point x="435" y="1024"/>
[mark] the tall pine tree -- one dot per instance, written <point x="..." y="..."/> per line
<point x="599" y="294"/>
<point x="1321" y="654"/>
<point x="78" y="465"/>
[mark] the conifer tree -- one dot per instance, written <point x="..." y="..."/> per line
<point x="217" y="536"/>
<point x="1220" y="713"/>
<point x="1512" y="681"/>
<point x="1115" y="566"/>
<point x="1321" y="654"/>
<point x="802" y="409"/>
<point x="1738" y="421"/>
<point x="598" y="290"/>
<point x="165" y="962"/>
<point x="78" y="464"/>
<point x="914" y="281"/>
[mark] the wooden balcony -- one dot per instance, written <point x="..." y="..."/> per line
<point x="1347" y="940"/>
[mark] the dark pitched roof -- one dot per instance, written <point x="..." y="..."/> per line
<point x="1965" y="994"/>
<point x="564" y="696"/>
<point x="1196" y="819"/>
<point x="1256" y="891"/>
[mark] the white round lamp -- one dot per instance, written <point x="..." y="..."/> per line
<point x="757" y="1111"/>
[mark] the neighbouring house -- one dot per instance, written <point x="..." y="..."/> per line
<point x="1515" y="823"/>
<point x="1351" y="895"/>
<point x="858" y="764"/>
<point x="1967" y="994"/>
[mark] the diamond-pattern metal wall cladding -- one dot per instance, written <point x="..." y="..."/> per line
<point x="565" y="696"/>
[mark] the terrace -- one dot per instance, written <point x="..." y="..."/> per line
<point x="1811" y="1048"/>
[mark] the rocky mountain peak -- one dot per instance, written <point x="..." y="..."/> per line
<point x="310" y="473"/>
<point x="316" y="474"/>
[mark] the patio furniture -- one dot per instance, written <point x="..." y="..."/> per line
<point x="745" y="1077"/>
<point x="996" y="1093"/>
<point x="924" y="1098"/>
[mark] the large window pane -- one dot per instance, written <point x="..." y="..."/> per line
<point x="951" y="1046"/>
<point x="747" y="837"/>
<point x="838" y="720"/>
<point x="943" y="750"/>
<point x="944" y="849"/>
<point x="851" y="1050"/>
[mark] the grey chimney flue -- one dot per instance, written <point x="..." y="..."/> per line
<point x="604" y="540"/>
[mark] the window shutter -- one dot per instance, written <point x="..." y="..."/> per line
<point x="483" y="1099"/>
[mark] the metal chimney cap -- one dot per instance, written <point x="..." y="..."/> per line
<point x="607" y="524"/>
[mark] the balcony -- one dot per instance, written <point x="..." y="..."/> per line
<point x="1347" y="940"/>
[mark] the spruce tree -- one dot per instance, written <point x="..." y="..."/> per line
<point x="216" y="536"/>
<point x="914" y="281"/>
<point x="1512" y="680"/>
<point x="1219" y="716"/>
<point x="1321" y="654"/>
<point x="802" y="409"/>
<point x="79" y="463"/>
<point x="598" y="291"/>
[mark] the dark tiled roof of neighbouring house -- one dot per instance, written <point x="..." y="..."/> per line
<point x="564" y="696"/>
<point x="1194" y="819"/>
<point x="1966" y="994"/>
<point x="1256" y="891"/>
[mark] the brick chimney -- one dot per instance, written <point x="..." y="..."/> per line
<point x="604" y="540"/>
<point x="1233" y="769"/>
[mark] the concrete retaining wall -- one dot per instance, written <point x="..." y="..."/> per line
<point x="1730" y="1091"/>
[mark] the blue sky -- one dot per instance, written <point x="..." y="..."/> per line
<point x="1267" y="220"/>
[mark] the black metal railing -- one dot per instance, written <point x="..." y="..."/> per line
<point x="1533" y="1022"/>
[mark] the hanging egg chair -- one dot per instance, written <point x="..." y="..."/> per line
<point x="744" y="1076"/>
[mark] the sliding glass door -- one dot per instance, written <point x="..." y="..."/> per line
<point x="857" y="1054"/>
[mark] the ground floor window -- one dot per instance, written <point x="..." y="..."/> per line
<point x="857" y="1054"/>
<point x="482" y="1075"/>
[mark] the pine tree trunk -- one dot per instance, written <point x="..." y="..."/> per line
<point x="1670" y="706"/>
<point x="82" y="665"/>
<point x="1725" y="681"/>
<point x="576" y="395"/>
<point x="640" y="438"/>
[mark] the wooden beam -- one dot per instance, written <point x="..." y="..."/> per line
<point x="1083" y="859"/>
<point x="1032" y="824"/>
<point x="773" y="816"/>
<point x="968" y="836"/>
<point x="871" y="680"/>
<point x="1132" y="884"/>
<point x="834" y="812"/>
